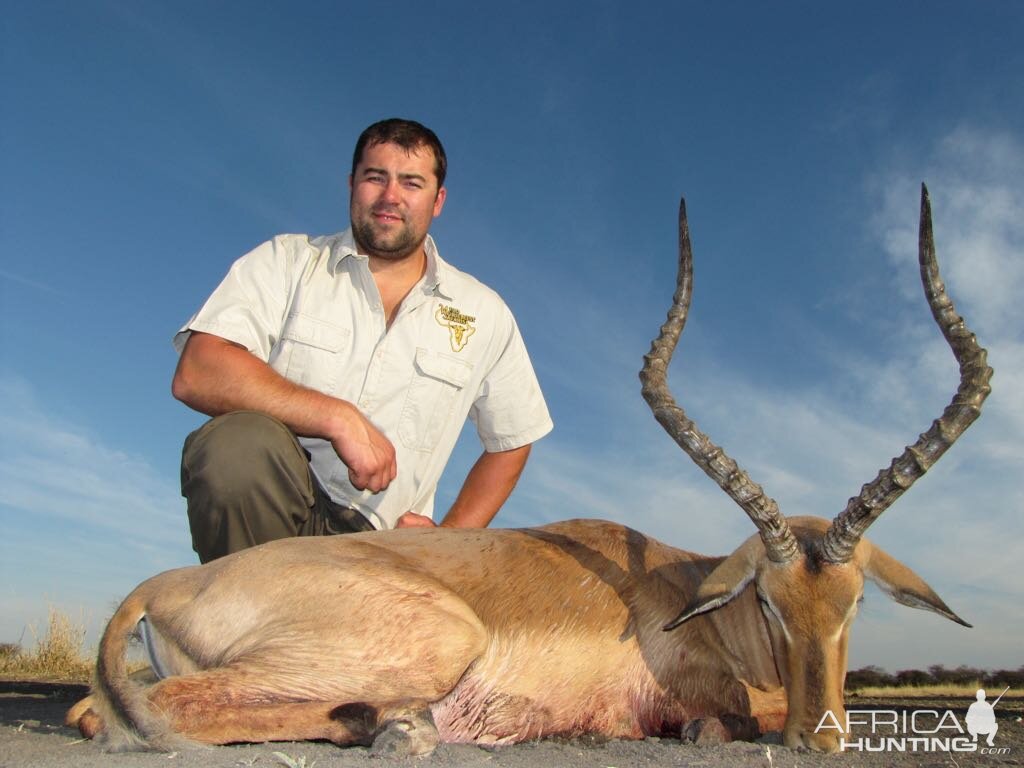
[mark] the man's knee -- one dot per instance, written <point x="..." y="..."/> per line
<point x="247" y="481"/>
<point x="234" y="453"/>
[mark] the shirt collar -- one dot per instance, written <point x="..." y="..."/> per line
<point x="433" y="281"/>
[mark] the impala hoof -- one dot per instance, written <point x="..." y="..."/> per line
<point x="706" y="732"/>
<point x="84" y="718"/>
<point x="406" y="737"/>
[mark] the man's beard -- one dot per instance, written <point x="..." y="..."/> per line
<point x="393" y="244"/>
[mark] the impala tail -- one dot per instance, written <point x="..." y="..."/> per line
<point x="118" y="712"/>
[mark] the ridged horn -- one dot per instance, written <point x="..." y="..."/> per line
<point x="778" y="539"/>
<point x="875" y="497"/>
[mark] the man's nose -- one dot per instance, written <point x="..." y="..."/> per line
<point x="391" y="191"/>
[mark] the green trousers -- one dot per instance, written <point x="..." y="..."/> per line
<point x="247" y="481"/>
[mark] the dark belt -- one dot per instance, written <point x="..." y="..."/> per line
<point x="342" y="519"/>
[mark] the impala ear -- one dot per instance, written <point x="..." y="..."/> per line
<point x="725" y="582"/>
<point x="903" y="585"/>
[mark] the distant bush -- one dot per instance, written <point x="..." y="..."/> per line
<point x="869" y="677"/>
<point x="917" y="677"/>
<point x="935" y="676"/>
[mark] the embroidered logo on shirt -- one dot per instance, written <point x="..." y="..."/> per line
<point x="459" y="326"/>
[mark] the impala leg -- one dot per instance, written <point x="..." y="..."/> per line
<point x="351" y="655"/>
<point x="769" y="707"/>
<point x="249" y="702"/>
<point x="206" y="707"/>
<point x="216" y="707"/>
<point x="288" y="721"/>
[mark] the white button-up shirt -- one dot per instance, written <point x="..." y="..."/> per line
<point x="310" y="308"/>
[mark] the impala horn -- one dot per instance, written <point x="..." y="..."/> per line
<point x="778" y="539"/>
<point x="875" y="497"/>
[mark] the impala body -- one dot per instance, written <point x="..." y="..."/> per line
<point x="403" y="638"/>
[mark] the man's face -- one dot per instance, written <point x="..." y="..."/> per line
<point x="394" y="199"/>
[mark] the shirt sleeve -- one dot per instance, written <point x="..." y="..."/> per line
<point x="510" y="411"/>
<point x="248" y="306"/>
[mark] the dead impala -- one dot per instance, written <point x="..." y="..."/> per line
<point x="403" y="638"/>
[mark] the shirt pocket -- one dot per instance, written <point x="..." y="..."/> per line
<point x="437" y="382"/>
<point x="310" y="351"/>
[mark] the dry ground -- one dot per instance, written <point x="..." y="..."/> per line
<point x="32" y="736"/>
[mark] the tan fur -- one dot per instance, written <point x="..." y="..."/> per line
<point x="493" y="635"/>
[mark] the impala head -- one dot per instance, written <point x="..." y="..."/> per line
<point x="809" y="573"/>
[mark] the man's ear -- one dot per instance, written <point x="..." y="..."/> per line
<point x="442" y="194"/>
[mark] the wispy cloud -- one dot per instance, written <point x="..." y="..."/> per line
<point x="59" y="469"/>
<point x="26" y="282"/>
<point x="84" y="522"/>
<point x="975" y="182"/>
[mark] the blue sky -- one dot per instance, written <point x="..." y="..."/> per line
<point x="144" y="146"/>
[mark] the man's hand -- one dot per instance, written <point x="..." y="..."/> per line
<point x="413" y="520"/>
<point x="368" y="454"/>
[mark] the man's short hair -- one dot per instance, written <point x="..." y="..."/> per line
<point x="409" y="135"/>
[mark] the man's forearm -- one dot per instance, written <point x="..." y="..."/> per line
<point x="488" y="485"/>
<point x="215" y="376"/>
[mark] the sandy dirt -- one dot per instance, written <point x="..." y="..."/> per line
<point x="32" y="735"/>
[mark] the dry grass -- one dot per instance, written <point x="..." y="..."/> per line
<point x="965" y="690"/>
<point x="58" y="654"/>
